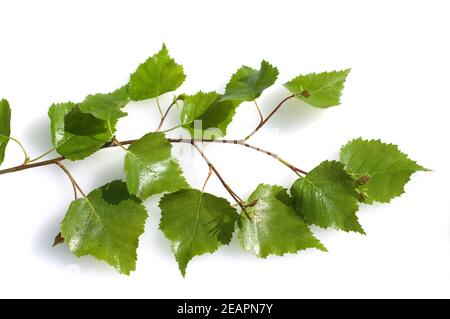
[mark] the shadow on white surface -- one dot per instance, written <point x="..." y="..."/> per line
<point x="294" y="115"/>
<point x="60" y="255"/>
<point x="38" y="134"/>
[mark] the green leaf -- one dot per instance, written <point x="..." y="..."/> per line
<point x="247" y="84"/>
<point x="320" y="90"/>
<point x="150" y="168"/>
<point x="122" y="93"/>
<point x="5" y="127"/>
<point x="270" y="224"/>
<point x="83" y="124"/>
<point x="106" y="107"/>
<point x="196" y="223"/>
<point x="214" y="113"/>
<point x="158" y="75"/>
<point x="326" y="197"/>
<point x="106" y="224"/>
<point x="77" y="144"/>
<point x="380" y="169"/>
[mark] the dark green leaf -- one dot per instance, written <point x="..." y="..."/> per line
<point x="71" y="145"/>
<point x="84" y="124"/>
<point x="196" y="223"/>
<point x="247" y="84"/>
<point x="106" y="224"/>
<point x="212" y="113"/>
<point x="271" y="225"/>
<point x="326" y="197"/>
<point x="380" y="170"/>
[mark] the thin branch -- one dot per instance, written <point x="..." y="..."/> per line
<point x="243" y="143"/>
<point x="114" y="143"/>
<point x="268" y="117"/>
<point x="32" y="165"/>
<point x="212" y="167"/>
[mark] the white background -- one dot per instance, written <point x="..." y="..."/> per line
<point x="55" y="51"/>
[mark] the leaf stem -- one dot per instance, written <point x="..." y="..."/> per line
<point x="207" y="179"/>
<point x="159" y="107"/>
<point x="71" y="178"/>
<point x="163" y="118"/>
<point x="238" y="200"/>
<point x="117" y="143"/>
<point x="171" y="129"/>
<point x="264" y="121"/>
<point x="261" y="117"/>
<point x="25" y="154"/>
<point x="41" y="156"/>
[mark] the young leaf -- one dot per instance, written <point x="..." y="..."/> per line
<point x="214" y="113"/>
<point x="320" y="90"/>
<point x="271" y="225"/>
<point x="326" y="197"/>
<point x="150" y="168"/>
<point x="158" y="75"/>
<point x="247" y="84"/>
<point x="381" y="169"/>
<point x="5" y="127"/>
<point x="106" y="224"/>
<point x="73" y="145"/>
<point x="196" y="223"/>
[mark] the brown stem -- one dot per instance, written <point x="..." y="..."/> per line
<point x="243" y="143"/>
<point x="32" y="165"/>
<point x="268" y="117"/>
<point x="115" y="143"/>
<point x="212" y="167"/>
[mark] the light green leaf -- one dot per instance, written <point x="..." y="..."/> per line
<point x="158" y="75"/>
<point x="106" y="107"/>
<point x="196" y="223"/>
<point x="122" y="93"/>
<point x="150" y="168"/>
<point x="106" y="224"/>
<point x="326" y="197"/>
<point x="320" y="90"/>
<point x="214" y="113"/>
<point x="270" y="224"/>
<point x="381" y="171"/>
<point x="247" y="83"/>
<point x="5" y="127"/>
<point x="77" y="144"/>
